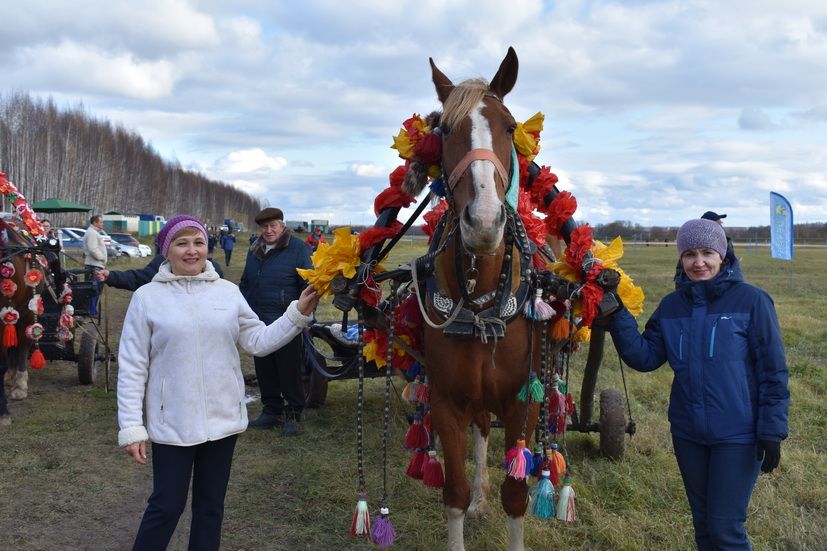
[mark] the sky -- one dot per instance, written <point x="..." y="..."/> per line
<point x="655" y="111"/>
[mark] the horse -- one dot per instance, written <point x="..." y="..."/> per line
<point x="19" y="253"/>
<point x="478" y="362"/>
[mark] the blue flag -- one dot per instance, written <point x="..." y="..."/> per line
<point x="781" y="227"/>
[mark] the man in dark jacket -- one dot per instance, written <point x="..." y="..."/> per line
<point x="130" y="280"/>
<point x="270" y="283"/>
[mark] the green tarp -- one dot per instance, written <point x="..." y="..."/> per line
<point x="53" y="204"/>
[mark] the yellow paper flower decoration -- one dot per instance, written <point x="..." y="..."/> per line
<point x="413" y="130"/>
<point x="525" y="141"/>
<point x="631" y="295"/>
<point x="330" y="260"/>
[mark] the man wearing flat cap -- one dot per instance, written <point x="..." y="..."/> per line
<point x="270" y="283"/>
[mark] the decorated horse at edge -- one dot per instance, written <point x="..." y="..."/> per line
<point x="29" y="263"/>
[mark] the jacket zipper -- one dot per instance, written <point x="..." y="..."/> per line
<point x="163" y="384"/>
<point x="712" y="339"/>
<point x="680" y="346"/>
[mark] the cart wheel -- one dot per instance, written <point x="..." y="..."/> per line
<point x="88" y="361"/>
<point x="612" y="424"/>
<point x="315" y="384"/>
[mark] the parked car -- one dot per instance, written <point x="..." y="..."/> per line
<point x="72" y="239"/>
<point x="80" y="232"/>
<point x="126" y="245"/>
<point x="130" y="245"/>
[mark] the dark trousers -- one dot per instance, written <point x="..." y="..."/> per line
<point x="280" y="379"/>
<point x="227" y="254"/>
<point x="719" y="481"/>
<point x="208" y="465"/>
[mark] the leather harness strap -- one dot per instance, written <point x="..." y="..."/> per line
<point x="477" y="155"/>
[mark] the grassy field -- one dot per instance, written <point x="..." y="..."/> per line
<point x="66" y="485"/>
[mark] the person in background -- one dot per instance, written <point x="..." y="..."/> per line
<point x="211" y="241"/>
<point x="729" y="400"/>
<point x="94" y="248"/>
<point x="719" y="218"/>
<point x="131" y="280"/>
<point x="179" y="369"/>
<point x="269" y="283"/>
<point x="227" y="243"/>
<point x="315" y="237"/>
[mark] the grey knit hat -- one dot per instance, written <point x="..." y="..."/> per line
<point x="702" y="233"/>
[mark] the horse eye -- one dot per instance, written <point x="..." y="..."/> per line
<point x="512" y="128"/>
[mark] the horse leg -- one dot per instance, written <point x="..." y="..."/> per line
<point x="514" y="493"/>
<point x="5" y="416"/>
<point x="482" y="484"/>
<point x="451" y="426"/>
<point x="19" y="389"/>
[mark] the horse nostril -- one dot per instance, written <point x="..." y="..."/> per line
<point x="466" y="216"/>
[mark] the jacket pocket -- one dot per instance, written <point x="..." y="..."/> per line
<point x="712" y="339"/>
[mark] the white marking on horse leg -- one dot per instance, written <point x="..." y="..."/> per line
<point x="455" y="536"/>
<point x="515" y="533"/>
<point x="482" y="484"/>
<point x="5" y="420"/>
<point x="8" y="379"/>
<point x="20" y="386"/>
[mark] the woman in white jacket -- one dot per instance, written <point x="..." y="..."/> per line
<point x="178" y="358"/>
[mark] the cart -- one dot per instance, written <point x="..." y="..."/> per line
<point x="89" y="348"/>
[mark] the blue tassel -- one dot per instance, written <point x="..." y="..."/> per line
<point x="413" y="371"/>
<point x="542" y="504"/>
<point x="438" y="187"/>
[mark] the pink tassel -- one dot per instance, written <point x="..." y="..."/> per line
<point x="423" y="392"/>
<point x="542" y="309"/>
<point x="433" y="476"/>
<point x="360" y="526"/>
<point x="518" y="461"/>
<point x="417" y="436"/>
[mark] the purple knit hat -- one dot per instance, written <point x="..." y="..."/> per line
<point x="702" y="233"/>
<point x="173" y="226"/>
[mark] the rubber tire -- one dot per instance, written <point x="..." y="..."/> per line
<point x="612" y="424"/>
<point x="88" y="363"/>
<point x="315" y="386"/>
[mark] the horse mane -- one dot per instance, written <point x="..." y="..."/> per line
<point x="464" y="97"/>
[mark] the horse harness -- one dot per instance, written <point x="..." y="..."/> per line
<point x="505" y="302"/>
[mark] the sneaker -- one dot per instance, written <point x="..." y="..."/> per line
<point x="291" y="427"/>
<point x="267" y="421"/>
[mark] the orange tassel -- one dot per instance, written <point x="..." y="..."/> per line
<point x="561" y="330"/>
<point x="37" y="361"/>
<point x="9" y="336"/>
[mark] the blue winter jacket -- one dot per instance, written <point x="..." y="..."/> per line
<point x="270" y="282"/>
<point x="722" y="339"/>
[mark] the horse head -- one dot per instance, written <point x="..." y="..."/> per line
<point x="477" y="157"/>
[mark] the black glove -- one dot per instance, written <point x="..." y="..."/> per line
<point x="770" y="452"/>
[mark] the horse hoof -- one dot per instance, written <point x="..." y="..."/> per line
<point x="18" y="394"/>
<point x="5" y="420"/>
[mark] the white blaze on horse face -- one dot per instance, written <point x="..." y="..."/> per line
<point x="486" y="205"/>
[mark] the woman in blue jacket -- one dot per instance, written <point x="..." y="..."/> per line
<point x="729" y="399"/>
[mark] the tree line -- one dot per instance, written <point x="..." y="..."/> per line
<point x="68" y="154"/>
<point x="802" y="233"/>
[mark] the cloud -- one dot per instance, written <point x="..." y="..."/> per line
<point x="249" y="160"/>
<point x="753" y="118"/>
<point x="368" y="169"/>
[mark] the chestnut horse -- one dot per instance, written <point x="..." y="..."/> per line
<point x="480" y="275"/>
<point x="14" y="376"/>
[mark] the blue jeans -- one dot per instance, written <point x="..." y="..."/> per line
<point x="208" y="465"/>
<point x="719" y="481"/>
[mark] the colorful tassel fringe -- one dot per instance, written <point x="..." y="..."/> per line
<point x="417" y="464"/>
<point x="383" y="533"/>
<point x="518" y="461"/>
<point x="417" y="435"/>
<point x="542" y="504"/>
<point x="533" y="389"/>
<point x="433" y="477"/>
<point x="37" y="361"/>
<point x="9" y="336"/>
<point x="565" y="503"/>
<point x="360" y="526"/>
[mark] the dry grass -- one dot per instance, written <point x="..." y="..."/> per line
<point x="67" y="486"/>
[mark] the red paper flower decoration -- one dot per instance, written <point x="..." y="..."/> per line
<point x="34" y="331"/>
<point x="9" y="315"/>
<point x="534" y="227"/>
<point x="581" y="243"/>
<point x="559" y="211"/>
<point x="33" y="277"/>
<point x="8" y="287"/>
<point x="432" y="218"/>
<point x="375" y="235"/>
<point x="7" y="269"/>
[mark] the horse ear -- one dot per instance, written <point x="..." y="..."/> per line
<point x="443" y="84"/>
<point x="506" y="76"/>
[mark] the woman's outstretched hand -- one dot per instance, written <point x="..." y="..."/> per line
<point x="308" y="300"/>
